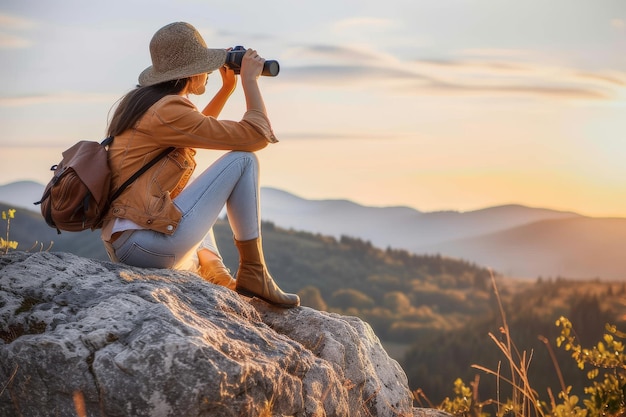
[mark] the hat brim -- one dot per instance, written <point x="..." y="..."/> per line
<point x="212" y="60"/>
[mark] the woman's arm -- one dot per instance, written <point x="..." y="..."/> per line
<point x="251" y="67"/>
<point x="229" y="83"/>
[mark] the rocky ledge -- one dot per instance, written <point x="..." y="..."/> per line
<point x="91" y="338"/>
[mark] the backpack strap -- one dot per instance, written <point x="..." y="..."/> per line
<point x="48" y="213"/>
<point x="137" y="174"/>
<point x="107" y="141"/>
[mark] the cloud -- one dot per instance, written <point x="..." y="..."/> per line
<point x="512" y="79"/>
<point x="329" y="135"/>
<point x="21" y="101"/>
<point x="609" y="78"/>
<point x="350" y="75"/>
<point x="500" y="74"/>
<point x="8" y="41"/>
<point x="552" y="91"/>
<point x="333" y="53"/>
<point x="15" y="22"/>
<point x="494" y="52"/>
<point x="321" y="54"/>
<point x="10" y="24"/>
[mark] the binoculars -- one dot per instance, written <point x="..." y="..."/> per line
<point x="235" y="55"/>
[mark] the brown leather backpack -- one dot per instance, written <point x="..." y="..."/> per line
<point x="78" y="195"/>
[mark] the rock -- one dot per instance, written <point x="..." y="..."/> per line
<point x="90" y="338"/>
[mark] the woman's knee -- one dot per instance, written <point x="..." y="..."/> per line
<point x="244" y="155"/>
<point x="247" y="159"/>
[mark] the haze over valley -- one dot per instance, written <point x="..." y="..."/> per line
<point x="516" y="241"/>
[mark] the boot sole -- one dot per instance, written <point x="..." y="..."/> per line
<point x="250" y="294"/>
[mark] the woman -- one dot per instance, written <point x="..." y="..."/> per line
<point x="161" y="221"/>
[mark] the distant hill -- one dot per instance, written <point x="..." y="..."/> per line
<point x="516" y="240"/>
<point x="400" y="227"/>
<point x="21" y="194"/>
<point x="576" y="247"/>
<point x="519" y="241"/>
<point x="29" y="229"/>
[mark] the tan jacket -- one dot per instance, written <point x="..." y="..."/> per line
<point x="172" y="121"/>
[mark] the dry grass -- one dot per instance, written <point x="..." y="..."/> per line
<point x="524" y="401"/>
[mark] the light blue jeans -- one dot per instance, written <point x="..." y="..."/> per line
<point x="233" y="180"/>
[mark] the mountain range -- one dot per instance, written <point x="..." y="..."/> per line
<point x="514" y="240"/>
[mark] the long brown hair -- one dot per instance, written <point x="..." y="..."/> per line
<point x="135" y="103"/>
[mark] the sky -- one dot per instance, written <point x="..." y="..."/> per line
<point x="432" y="104"/>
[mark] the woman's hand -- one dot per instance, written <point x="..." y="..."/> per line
<point x="251" y="65"/>
<point x="229" y="83"/>
<point x="229" y="80"/>
<point x="251" y="68"/>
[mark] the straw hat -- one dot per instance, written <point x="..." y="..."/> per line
<point x="178" y="51"/>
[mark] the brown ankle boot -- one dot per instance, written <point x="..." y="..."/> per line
<point x="253" y="278"/>
<point x="215" y="272"/>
